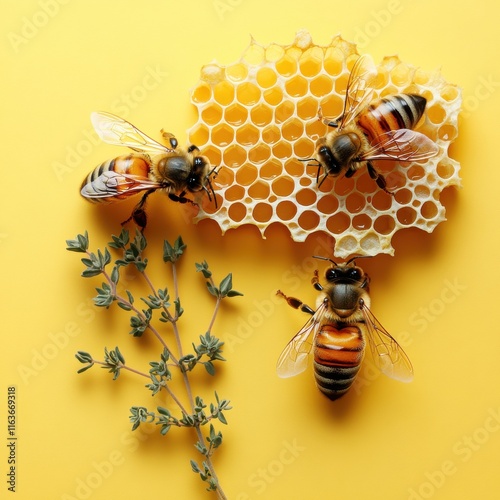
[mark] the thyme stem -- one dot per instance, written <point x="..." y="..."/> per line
<point x="205" y="354"/>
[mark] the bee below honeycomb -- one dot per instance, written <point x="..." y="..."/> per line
<point x="258" y="118"/>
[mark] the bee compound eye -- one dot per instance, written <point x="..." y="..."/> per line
<point x="328" y="160"/>
<point x="331" y="274"/>
<point x="194" y="183"/>
<point x="355" y="274"/>
<point x="324" y="151"/>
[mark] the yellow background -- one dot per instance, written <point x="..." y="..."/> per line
<point x="435" y="438"/>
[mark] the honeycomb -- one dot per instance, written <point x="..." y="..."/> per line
<point x="258" y="118"/>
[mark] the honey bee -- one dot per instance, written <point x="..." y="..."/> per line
<point x="338" y="331"/>
<point x="366" y="132"/>
<point x="175" y="170"/>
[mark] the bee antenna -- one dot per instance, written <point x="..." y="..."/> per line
<point x="316" y="164"/>
<point x="352" y="259"/>
<point x="215" y="172"/>
<point x="322" y="180"/>
<point x="325" y="258"/>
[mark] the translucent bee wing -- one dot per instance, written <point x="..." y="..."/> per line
<point x="119" y="132"/>
<point x="387" y="354"/>
<point x="402" y="145"/>
<point x="295" y="356"/>
<point x="111" y="183"/>
<point x="358" y="91"/>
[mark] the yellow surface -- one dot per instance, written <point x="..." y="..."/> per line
<point x="435" y="438"/>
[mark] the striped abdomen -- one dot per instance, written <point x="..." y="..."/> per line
<point x="337" y="357"/>
<point x="391" y="113"/>
<point x="106" y="182"/>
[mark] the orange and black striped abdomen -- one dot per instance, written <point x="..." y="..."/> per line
<point x="391" y="113"/>
<point x="338" y="353"/>
<point x="101" y="186"/>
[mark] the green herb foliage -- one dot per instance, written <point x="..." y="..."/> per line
<point x="161" y="306"/>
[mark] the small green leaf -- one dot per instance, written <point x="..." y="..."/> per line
<point x="124" y="306"/>
<point x="85" y="368"/>
<point x="120" y="241"/>
<point x="83" y="357"/>
<point x="178" y="308"/>
<point x="172" y="253"/>
<point x="79" y="244"/>
<point x="201" y="448"/>
<point x="104" y="296"/>
<point x="226" y="284"/>
<point x="89" y="273"/>
<point x="115" y="275"/>
<point x="203" y="268"/>
<point x="164" y="429"/>
<point x="226" y="287"/>
<point x="119" y="356"/>
<point x="209" y="366"/>
<point x="163" y="411"/>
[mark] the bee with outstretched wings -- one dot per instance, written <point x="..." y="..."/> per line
<point x="369" y="131"/>
<point x="337" y="333"/>
<point x="153" y="166"/>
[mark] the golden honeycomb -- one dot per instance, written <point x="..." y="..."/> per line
<point x="258" y="118"/>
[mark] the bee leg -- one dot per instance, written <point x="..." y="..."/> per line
<point x="315" y="281"/>
<point x="139" y="215"/>
<point x="181" y="198"/>
<point x="378" y="178"/>
<point x="328" y="121"/>
<point x="167" y="136"/>
<point x="295" y="303"/>
<point x="350" y="171"/>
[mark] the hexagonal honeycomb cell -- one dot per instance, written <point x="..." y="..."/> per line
<point x="258" y="120"/>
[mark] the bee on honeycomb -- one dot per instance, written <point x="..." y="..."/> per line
<point x="258" y="119"/>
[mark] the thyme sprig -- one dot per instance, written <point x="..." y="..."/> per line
<point x="161" y="306"/>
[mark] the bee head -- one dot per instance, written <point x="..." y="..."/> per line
<point x="347" y="273"/>
<point x="197" y="176"/>
<point x="346" y="284"/>
<point x="344" y="274"/>
<point x="328" y="161"/>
